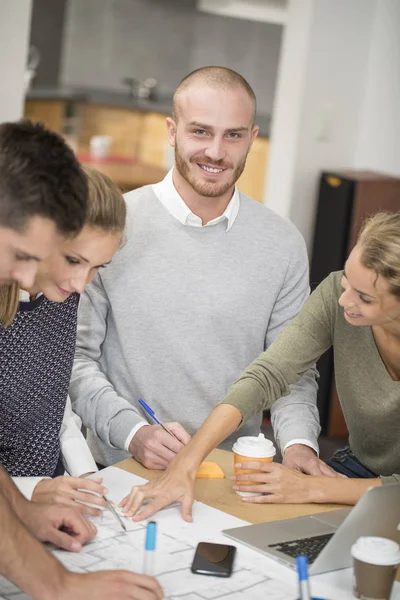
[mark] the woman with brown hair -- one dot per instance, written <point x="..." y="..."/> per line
<point x="39" y="439"/>
<point x="357" y="312"/>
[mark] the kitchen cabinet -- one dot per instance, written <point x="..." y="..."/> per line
<point x="252" y="180"/>
<point x="154" y="148"/>
<point x="136" y="133"/>
<point x="49" y="112"/>
<point x="122" y="125"/>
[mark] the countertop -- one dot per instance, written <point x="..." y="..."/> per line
<point x="161" y="104"/>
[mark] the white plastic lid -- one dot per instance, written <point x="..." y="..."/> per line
<point x="254" y="446"/>
<point x="376" y="550"/>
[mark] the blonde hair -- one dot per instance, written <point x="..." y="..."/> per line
<point x="379" y="240"/>
<point x="106" y="210"/>
<point x="220" y="78"/>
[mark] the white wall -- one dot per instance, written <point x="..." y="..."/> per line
<point x="15" y="17"/>
<point x="378" y="145"/>
<point x="321" y="87"/>
<point x="166" y="40"/>
<point x="268" y="11"/>
<point x="287" y="109"/>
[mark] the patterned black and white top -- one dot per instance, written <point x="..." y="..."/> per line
<point x="36" y="356"/>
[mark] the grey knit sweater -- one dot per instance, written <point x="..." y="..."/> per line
<point x="177" y="317"/>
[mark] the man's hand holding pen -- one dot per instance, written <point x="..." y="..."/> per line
<point x="154" y="448"/>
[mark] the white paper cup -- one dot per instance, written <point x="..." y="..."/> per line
<point x="100" y="146"/>
<point x="250" y="449"/>
<point x="375" y="562"/>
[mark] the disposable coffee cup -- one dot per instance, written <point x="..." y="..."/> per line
<point x="375" y="562"/>
<point x="249" y="449"/>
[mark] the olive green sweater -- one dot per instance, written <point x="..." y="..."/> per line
<point x="369" y="397"/>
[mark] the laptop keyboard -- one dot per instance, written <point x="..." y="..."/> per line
<point x="311" y="546"/>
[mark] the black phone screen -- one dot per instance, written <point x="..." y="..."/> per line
<point x="213" y="559"/>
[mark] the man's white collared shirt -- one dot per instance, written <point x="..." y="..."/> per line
<point x="169" y="197"/>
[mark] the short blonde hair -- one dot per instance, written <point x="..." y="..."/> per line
<point x="106" y="210"/>
<point x="220" y="78"/>
<point x="379" y="240"/>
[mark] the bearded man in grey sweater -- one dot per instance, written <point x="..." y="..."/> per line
<point x="205" y="282"/>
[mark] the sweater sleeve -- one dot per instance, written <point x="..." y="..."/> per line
<point x="93" y="397"/>
<point x="395" y="478"/>
<point x="296" y="416"/>
<point x="295" y="351"/>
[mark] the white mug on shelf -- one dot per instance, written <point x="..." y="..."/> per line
<point x="100" y="146"/>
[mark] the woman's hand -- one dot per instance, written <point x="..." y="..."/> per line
<point x="67" y="490"/>
<point x="278" y="483"/>
<point x="174" y="485"/>
<point x="282" y="485"/>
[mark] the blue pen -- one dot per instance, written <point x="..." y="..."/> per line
<point x="150" y="548"/>
<point x="302" y="570"/>
<point x="151" y="414"/>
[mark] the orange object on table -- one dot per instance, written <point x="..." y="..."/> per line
<point x="209" y="470"/>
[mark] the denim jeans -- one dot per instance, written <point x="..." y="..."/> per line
<point x="345" y="462"/>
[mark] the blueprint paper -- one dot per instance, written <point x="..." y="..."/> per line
<point x="255" y="576"/>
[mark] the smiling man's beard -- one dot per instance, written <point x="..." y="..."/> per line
<point x="209" y="189"/>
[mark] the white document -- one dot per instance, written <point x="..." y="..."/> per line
<point x="255" y="576"/>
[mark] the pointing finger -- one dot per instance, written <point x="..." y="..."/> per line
<point x="150" y="509"/>
<point x="186" y="509"/>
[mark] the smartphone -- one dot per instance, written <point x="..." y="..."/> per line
<point x="214" y="559"/>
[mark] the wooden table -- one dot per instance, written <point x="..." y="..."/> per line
<point x="219" y="494"/>
<point x="127" y="175"/>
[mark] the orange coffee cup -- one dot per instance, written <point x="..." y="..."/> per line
<point x="249" y="449"/>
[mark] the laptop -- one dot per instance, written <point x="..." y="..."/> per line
<point x="326" y="538"/>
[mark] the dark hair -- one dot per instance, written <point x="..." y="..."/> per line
<point x="106" y="211"/>
<point x="39" y="176"/>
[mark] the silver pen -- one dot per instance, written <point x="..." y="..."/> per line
<point x="114" y="512"/>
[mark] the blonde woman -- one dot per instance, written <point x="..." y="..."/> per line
<point x="39" y="438"/>
<point x="357" y="311"/>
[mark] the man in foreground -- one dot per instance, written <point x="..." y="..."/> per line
<point x="43" y="195"/>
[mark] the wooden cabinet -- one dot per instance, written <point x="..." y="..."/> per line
<point x="121" y="124"/>
<point x="252" y="180"/>
<point x="49" y="112"/>
<point x="137" y="135"/>
<point x="153" y="146"/>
